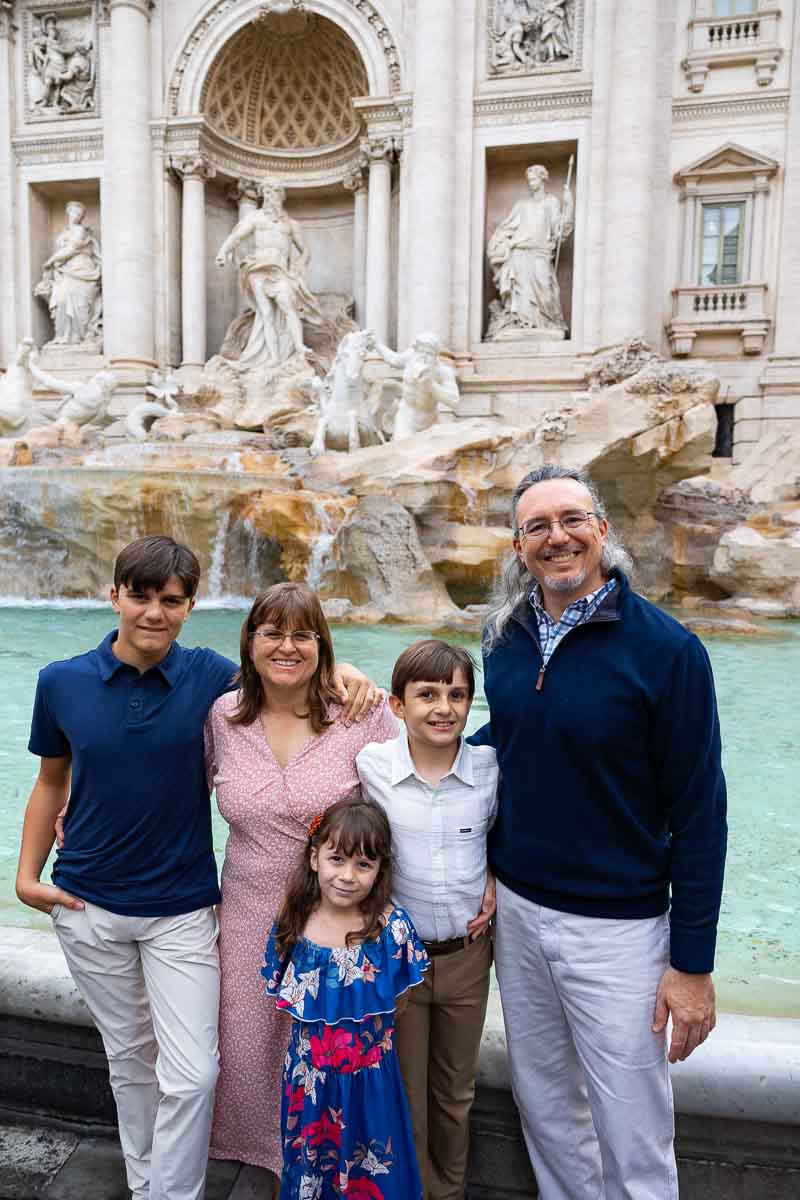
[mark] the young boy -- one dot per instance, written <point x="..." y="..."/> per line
<point x="120" y="731"/>
<point x="440" y="795"/>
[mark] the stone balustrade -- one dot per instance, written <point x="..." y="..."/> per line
<point x="730" y="308"/>
<point x="733" y="41"/>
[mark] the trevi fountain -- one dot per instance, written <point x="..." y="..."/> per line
<point x="311" y="284"/>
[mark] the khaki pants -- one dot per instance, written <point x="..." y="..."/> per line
<point x="438" y="1043"/>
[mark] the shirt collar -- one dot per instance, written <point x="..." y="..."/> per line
<point x="535" y="598"/>
<point x="403" y="763"/>
<point x="168" y="668"/>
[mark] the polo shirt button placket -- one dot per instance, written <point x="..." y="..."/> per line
<point x="135" y="705"/>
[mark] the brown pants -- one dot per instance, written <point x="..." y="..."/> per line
<point x="438" y="1043"/>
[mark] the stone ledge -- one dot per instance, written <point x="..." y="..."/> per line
<point x="736" y="1099"/>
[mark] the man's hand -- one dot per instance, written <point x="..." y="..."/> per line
<point x="59" y="827"/>
<point x="359" y="695"/>
<point x="691" y="1001"/>
<point x="479" y="925"/>
<point x="44" y="895"/>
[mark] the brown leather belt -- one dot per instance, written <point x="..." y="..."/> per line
<point x="449" y="947"/>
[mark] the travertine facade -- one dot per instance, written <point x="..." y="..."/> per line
<point x="402" y="131"/>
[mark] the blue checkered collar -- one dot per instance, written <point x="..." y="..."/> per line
<point x="575" y="613"/>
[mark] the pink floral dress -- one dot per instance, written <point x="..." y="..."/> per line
<point x="268" y="809"/>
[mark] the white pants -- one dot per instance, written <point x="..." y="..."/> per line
<point x="590" y="1079"/>
<point x="152" y="987"/>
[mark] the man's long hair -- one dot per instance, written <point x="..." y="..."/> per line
<point x="516" y="582"/>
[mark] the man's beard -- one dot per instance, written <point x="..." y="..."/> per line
<point x="565" y="583"/>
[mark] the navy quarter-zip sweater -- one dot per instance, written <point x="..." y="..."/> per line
<point x="612" y="797"/>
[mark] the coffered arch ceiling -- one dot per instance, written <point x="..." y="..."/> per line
<point x="274" y="86"/>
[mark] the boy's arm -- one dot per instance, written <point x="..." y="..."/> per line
<point x="48" y="797"/>
<point x="480" y="924"/>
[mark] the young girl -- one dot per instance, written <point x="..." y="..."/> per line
<point x="338" y="958"/>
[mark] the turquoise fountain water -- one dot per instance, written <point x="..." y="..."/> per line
<point x="758" y="961"/>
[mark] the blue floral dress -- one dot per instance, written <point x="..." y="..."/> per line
<point x="344" y="1118"/>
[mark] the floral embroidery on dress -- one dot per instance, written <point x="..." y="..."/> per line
<point x="294" y="987"/>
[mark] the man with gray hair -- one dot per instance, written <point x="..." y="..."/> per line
<point x="609" y="847"/>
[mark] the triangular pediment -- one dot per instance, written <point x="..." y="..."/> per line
<point x="729" y="159"/>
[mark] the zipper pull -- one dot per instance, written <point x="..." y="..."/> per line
<point x="540" y="680"/>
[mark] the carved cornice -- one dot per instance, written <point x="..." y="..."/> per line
<point x="59" y="148"/>
<point x="189" y="138"/>
<point x="519" y="109"/>
<point x="364" y="7"/>
<point x="730" y="108"/>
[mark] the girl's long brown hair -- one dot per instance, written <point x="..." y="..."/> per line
<point x="287" y="606"/>
<point x="352" y="827"/>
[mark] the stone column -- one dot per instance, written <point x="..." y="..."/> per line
<point x="630" y="174"/>
<point x="356" y="182"/>
<point x="432" y="148"/>
<point x="758" y="243"/>
<point x="691" y="205"/>
<point x="194" y="170"/>
<point x="128" y="222"/>
<point x="8" y="273"/>
<point x="379" y="152"/>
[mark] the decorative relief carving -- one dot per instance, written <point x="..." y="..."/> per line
<point x="203" y="28"/>
<point x="728" y="109"/>
<point x="356" y="179"/>
<point x="285" y="94"/>
<point x="529" y="36"/>
<point x="193" y="166"/>
<point x="30" y="151"/>
<point x="376" y="148"/>
<point x="521" y="109"/>
<point x="61" y="59"/>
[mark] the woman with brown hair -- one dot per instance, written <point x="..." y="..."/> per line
<point x="278" y="753"/>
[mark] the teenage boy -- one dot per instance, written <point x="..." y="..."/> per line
<point x="120" y="731"/>
<point x="440" y="795"/>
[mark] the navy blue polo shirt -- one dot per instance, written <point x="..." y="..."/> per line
<point x="137" y="834"/>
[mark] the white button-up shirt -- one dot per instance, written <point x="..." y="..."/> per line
<point x="438" y="833"/>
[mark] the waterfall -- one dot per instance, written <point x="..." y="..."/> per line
<point x="321" y="550"/>
<point x="215" y="571"/>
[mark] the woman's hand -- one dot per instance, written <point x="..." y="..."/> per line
<point x="359" y="695"/>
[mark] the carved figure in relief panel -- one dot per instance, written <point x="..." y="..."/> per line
<point x="427" y="383"/>
<point x="63" y="70"/>
<point x="273" y="280"/>
<point x="71" y="283"/>
<point x="523" y="253"/>
<point x="531" y="33"/>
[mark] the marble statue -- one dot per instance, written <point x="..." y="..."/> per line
<point x="71" y="283"/>
<point x="16" y="391"/>
<point x="273" y="280"/>
<point x="523" y="253"/>
<point x="345" y="422"/>
<point x="84" y="403"/>
<point x="531" y="33"/>
<point x="63" y="73"/>
<point x="427" y="382"/>
<point x="166" y="390"/>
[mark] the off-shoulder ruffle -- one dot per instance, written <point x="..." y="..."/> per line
<point x="316" y="983"/>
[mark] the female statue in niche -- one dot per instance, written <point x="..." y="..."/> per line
<point x="71" y="282"/>
<point x="522" y="255"/>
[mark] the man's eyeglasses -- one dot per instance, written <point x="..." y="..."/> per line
<point x="298" y="637"/>
<point x="538" y="528"/>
